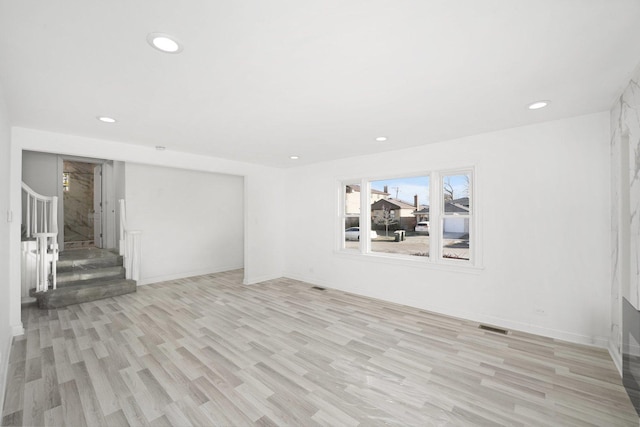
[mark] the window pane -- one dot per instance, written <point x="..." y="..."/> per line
<point x="455" y="237"/>
<point x="351" y="232"/>
<point x="456" y="207"/>
<point x="400" y="216"/>
<point x="352" y="199"/>
<point x="455" y="194"/>
<point x="351" y="216"/>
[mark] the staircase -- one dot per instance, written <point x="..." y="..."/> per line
<point x="85" y="275"/>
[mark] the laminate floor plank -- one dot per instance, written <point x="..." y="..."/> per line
<point x="94" y="415"/>
<point x="208" y="350"/>
<point x="34" y="405"/>
<point x="54" y="417"/>
<point x="72" y="409"/>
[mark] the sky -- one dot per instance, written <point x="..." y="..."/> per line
<point x="406" y="188"/>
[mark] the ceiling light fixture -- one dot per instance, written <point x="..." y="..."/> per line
<point x="164" y="43"/>
<point x="381" y="138"/>
<point x="160" y="147"/>
<point x="294" y="157"/>
<point x="106" y="119"/>
<point x="538" y="105"/>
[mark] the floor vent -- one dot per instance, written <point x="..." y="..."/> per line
<point x="318" y="288"/>
<point x="492" y="329"/>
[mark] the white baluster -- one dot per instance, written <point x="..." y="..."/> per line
<point x="28" y="218"/>
<point x="45" y="220"/>
<point x="35" y="216"/>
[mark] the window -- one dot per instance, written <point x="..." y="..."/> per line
<point x="396" y="209"/>
<point x="426" y="217"/>
<point x="351" y="216"/>
<point x="456" y="215"/>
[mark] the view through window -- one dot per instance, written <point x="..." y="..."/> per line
<point x="400" y="216"/>
<point x="456" y="214"/>
<point x="404" y="218"/>
<point x="351" y="216"/>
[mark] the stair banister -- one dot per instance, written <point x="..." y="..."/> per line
<point x="42" y="224"/>
<point x="129" y="246"/>
<point x="46" y="255"/>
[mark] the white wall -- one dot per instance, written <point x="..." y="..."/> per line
<point x="6" y="332"/>
<point x="191" y="222"/>
<point x="40" y="170"/>
<point x="543" y="205"/>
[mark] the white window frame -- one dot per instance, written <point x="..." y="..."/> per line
<point x="443" y="215"/>
<point x="436" y="221"/>
<point x="343" y="215"/>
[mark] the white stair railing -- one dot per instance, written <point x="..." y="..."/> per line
<point x="41" y="223"/>
<point x="129" y="246"/>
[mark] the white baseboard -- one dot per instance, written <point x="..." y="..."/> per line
<point x="17" y="330"/>
<point x="149" y="280"/>
<point x="258" y="279"/>
<point x="5" y="352"/>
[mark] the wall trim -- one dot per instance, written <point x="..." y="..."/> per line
<point x="165" y="278"/>
<point x="4" y="370"/>
<point x="17" y="330"/>
<point x="259" y="279"/>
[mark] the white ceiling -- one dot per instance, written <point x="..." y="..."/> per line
<point x="261" y="80"/>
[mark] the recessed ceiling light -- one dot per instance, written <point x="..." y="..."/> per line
<point x="160" y="147"/>
<point x="294" y="157"/>
<point x="381" y="138"/>
<point x="106" y="119"/>
<point x="538" y="105"/>
<point x="164" y="43"/>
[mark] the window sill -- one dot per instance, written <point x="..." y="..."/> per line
<point x="415" y="262"/>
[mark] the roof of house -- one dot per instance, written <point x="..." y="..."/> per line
<point x="464" y="201"/>
<point x="356" y="188"/>
<point x="449" y="207"/>
<point x="399" y="203"/>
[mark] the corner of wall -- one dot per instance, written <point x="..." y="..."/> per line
<point x="615" y="356"/>
<point x="6" y="227"/>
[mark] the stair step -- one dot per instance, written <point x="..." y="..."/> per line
<point x="85" y="292"/>
<point x="106" y="273"/>
<point x="87" y="259"/>
<point x="88" y="281"/>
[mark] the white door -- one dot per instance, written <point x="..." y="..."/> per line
<point x="97" y="206"/>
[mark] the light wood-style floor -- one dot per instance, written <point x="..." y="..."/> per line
<point x="209" y="351"/>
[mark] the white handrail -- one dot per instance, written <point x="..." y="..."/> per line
<point x="42" y="212"/>
<point x="41" y="223"/>
<point x="129" y="245"/>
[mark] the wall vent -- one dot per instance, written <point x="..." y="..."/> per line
<point x="494" y="329"/>
<point x="318" y="288"/>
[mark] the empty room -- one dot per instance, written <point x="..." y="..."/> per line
<point x="337" y="213"/>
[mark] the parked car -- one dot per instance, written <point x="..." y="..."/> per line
<point x="353" y="233"/>
<point x="423" y="227"/>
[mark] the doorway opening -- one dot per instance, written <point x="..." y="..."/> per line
<point x="82" y="201"/>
